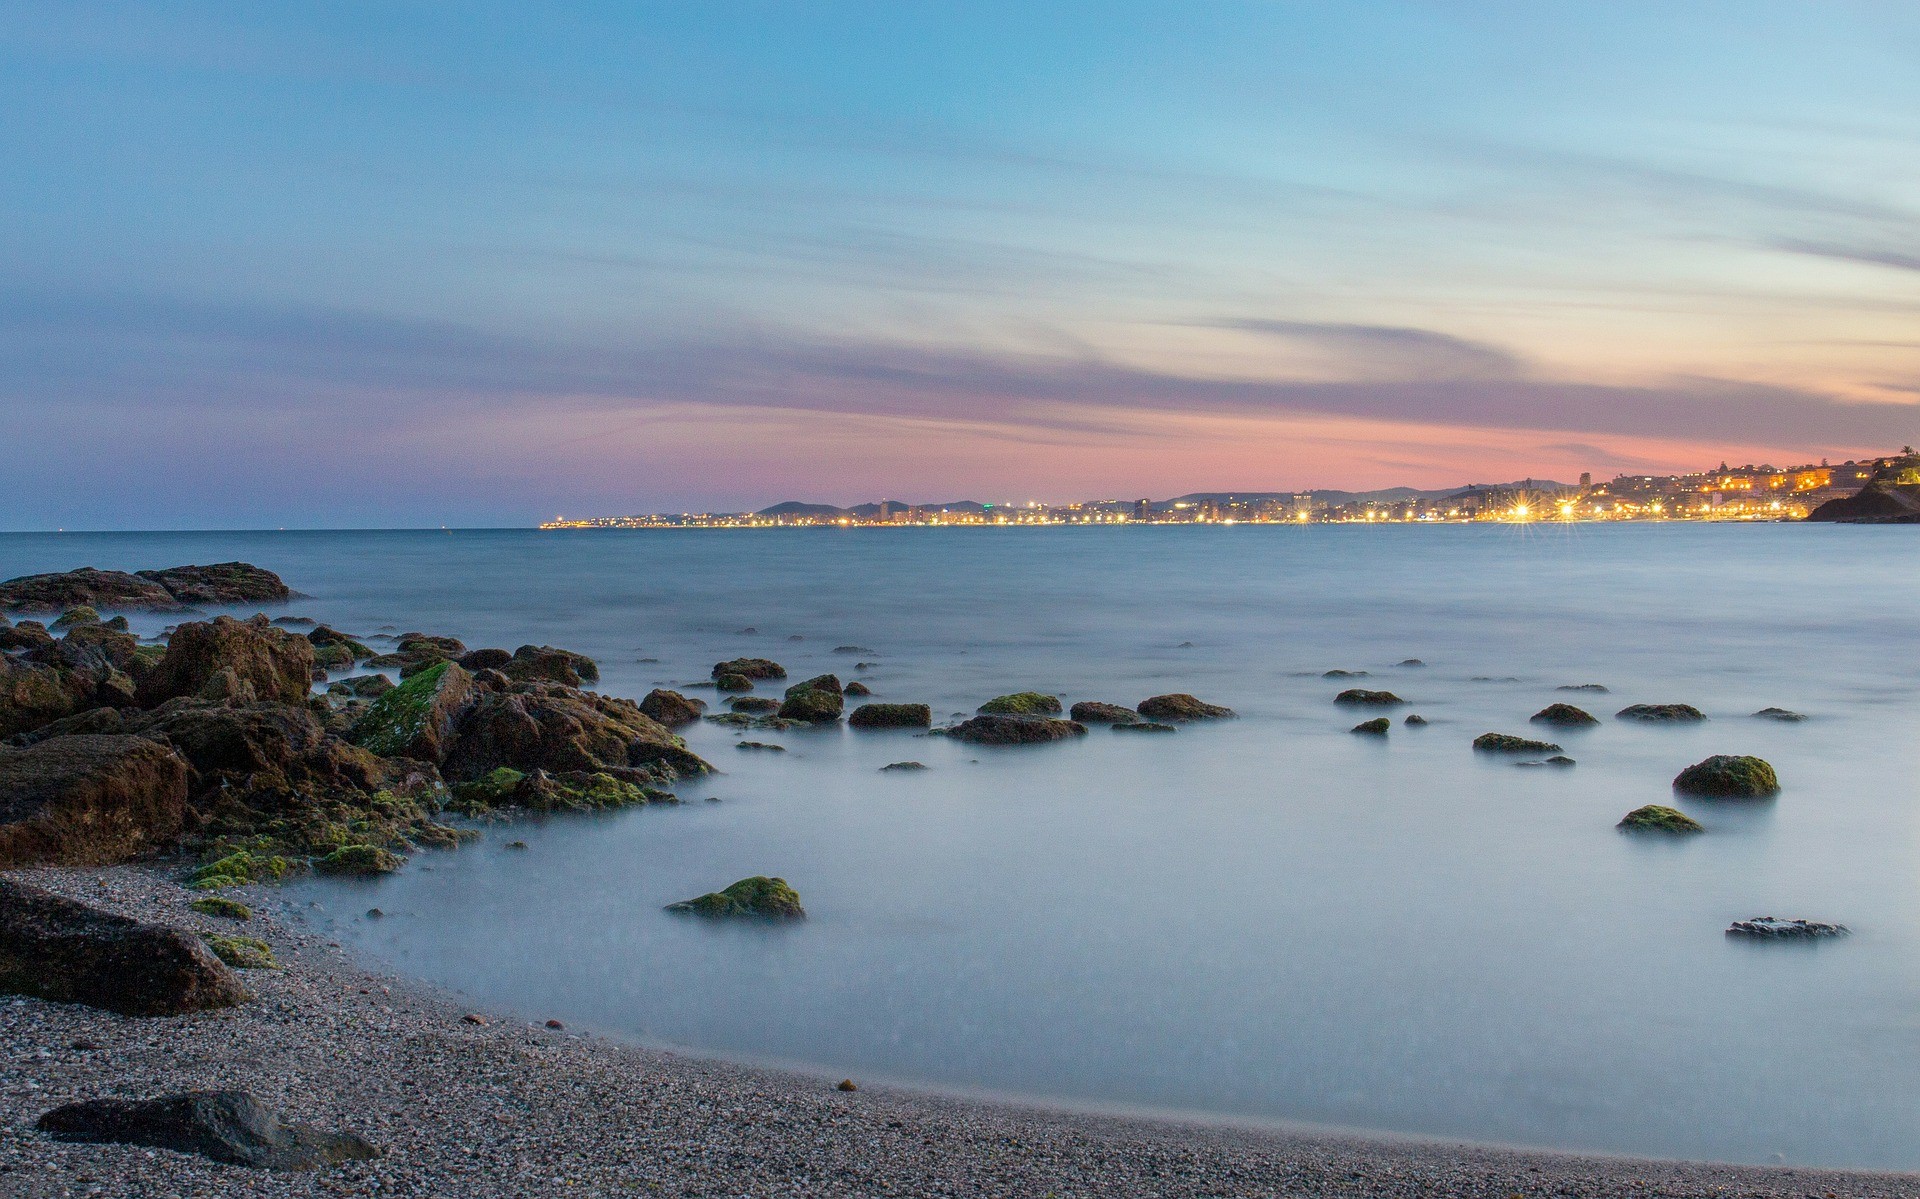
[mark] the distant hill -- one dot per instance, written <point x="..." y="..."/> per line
<point x="1891" y="496"/>
<point x="796" y="508"/>
<point x="866" y="511"/>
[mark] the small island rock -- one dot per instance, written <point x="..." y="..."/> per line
<point x="1729" y="776"/>
<point x="759" y="897"/>
<point x="1658" y="818"/>
<point x="1180" y="706"/>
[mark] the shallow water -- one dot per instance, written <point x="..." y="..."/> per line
<point x="1266" y="917"/>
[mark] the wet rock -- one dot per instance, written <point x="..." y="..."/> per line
<point x="758" y="897"/>
<point x="1344" y="674"/>
<point x="1022" y="703"/>
<point x="559" y="729"/>
<point x="89" y="800"/>
<point x="671" y="708"/>
<point x="770" y="748"/>
<point x="1359" y="695"/>
<point x="1377" y="727"/>
<point x="856" y="688"/>
<point x="1180" y="706"/>
<point x="1564" y="716"/>
<point x="1595" y="688"/>
<point x="227" y="1126"/>
<point x="417" y="718"/>
<point x="904" y="766"/>
<point x="1506" y="743"/>
<point x="221" y="906"/>
<point x="1143" y="726"/>
<point x="1729" y="776"/>
<point x="1775" y="928"/>
<point x="427" y="646"/>
<point x="1414" y="719"/>
<point x="750" y="668"/>
<point x="749" y="720"/>
<point x="87" y="587"/>
<point x="1413" y="662"/>
<point x="1781" y="714"/>
<point x="853" y="649"/>
<point x="545" y="663"/>
<point x="28" y="634"/>
<point x="891" y="716"/>
<point x="1662" y="713"/>
<point x="272" y="664"/>
<point x="339" y="645"/>
<point x="754" y="705"/>
<point x="1560" y="760"/>
<point x="67" y="952"/>
<point x="295" y="622"/>
<point x="484" y="659"/>
<point x="1657" y="818"/>
<point x="221" y="583"/>
<point x="73" y="616"/>
<point x="1089" y="711"/>
<point x="539" y="791"/>
<point x="733" y="682"/>
<point x="361" y="686"/>
<point x="816" y="701"/>
<point x="992" y="729"/>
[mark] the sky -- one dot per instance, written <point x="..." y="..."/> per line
<point x="404" y="265"/>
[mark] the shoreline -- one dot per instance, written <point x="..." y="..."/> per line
<point x="509" y="1108"/>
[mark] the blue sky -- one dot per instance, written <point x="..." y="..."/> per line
<point x="472" y="264"/>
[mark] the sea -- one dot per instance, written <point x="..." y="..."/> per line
<point x="1267" y="919"/>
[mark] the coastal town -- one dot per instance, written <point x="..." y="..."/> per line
<point x="1751" y="492"/>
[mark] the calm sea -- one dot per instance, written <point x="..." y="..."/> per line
<point x="1266" y="918"/>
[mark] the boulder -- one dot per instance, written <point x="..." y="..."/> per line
<point x="1657" y="818"/>
<point x="361" y="686"/>
<point x="904" y="766"/>
<point x="547" y="664"/>
<point x="33" y="695"/>
<point x="242" y="953"/>
<point x="754" y="705"/>
<point x="1729" y="776"/>
<point x="54" y="948"/>
<point x="227" y="1126"/>
<point x="1506" y="743"/>
<point x="856" y="688"/>
<point x="89" y="800"/>
<point x="547" y="726"/>
<point x="334" y="650"/>
<point x="221" y="583"/>
<point x="758" y="897"/>
<point x="1360" y="695"/>
<point x="485" y="659"/>
<point x="816" y="701"/>
<point x="28" y="634"/>
<point x="672" y="708"/>
<point x="93" y="588"/>
<point x="358" y="861"/>
<point x="1377" y="727"/>
<point x="539" y="791"/>
<point x="1022" y="703"/>
<point x="415" y="719"/>
<point x="93" y="720"/>
<point x="273" y="664"/>
<point x="1775" y="928"/>
<point x="1661" y="713"/>
<point x="1563" y="715"/>
<point x="1178" y="706"/>
<point x="733" y="682"/>
<point x="891" y="716"/>
<point x="1092" y="711"/>
<point x="73" y="616"/>
<point x="1414" y="719"/>
<point x="750" y="668"/>
<point x="1781" y="714"/>
<point x="992" y="729"/>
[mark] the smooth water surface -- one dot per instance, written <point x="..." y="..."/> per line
<point x="1266" y="918"/>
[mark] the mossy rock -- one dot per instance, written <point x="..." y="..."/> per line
<point x="359" y="860"/>
<point x="748" y="720"/>
<point x="819" y="682"/>
<point x="242" y="953"/>
<point x="754" y="705"/>
<point x="1181" y="706"/>
<point x="891" y="716"/>
<point x="1657" y="818"/>
<point x="1360" y="695"/>
<point x="1143" y="726"/>
<point x="1377" y="727"/>
<point x="732" y="682"/>
<point x="220" y="905"/>
<point x="1780" y="714"/>
<point x="76" y="616"/>
<point x="1022" y="703"/>
<point x="494" y="789"/>
<point x="239" y="868"/>
<point x="118" y="624"/>
<point x="814" y="705"/>
<point x="1093" y="711"/>
<point x="903" y="766"/>
<point x="857" y="688"/>
<point x="1564" y="716"/>
<point x="750" y="668"/>
<point x="1729" y="776"/>
<point x="1507" y="743"/>
<point x="1662" y="713"/>
<point x="413" y="718"/>
<point x="759" y="897"/>
<point x="1414" y="720"/>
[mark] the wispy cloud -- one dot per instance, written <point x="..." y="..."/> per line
<point x="1868" y="255"/>
<point x="1375" y="349"/>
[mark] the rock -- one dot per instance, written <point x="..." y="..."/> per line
<point x="221" y="583"/>
<point x="33" y="695"/>
<point x="1022" y="703"/>
<point x="1344" y="674"/>
<point x="1504" y="743"/>
<point x="555" y="1024"/>
<point x="1376" y="727"/>
<point x="1596" y="688"/>
<point x="903" y="766"/>
<point x="427" y="646"/>
<point x="1410" y="662"/>
<point x="856" y="688"/>
<point x="1179" y="706"/>
<point x="73" y="616"/>
<point x="891" y="716"/>
<point x="1560" y="760"/>
<point x="1781" y="714"/>
<point x="28" y="634"/>
<point x="1774" y="928"/>
<point x="816" y="701"/>
<point x="89" y="800"/>
<point x="992" y="729"/>
<point x="362" y="686"/>
<point x="1661" y="713"/>
<point x="1563" y="715"/>
<point x="1091" y="711"/>
<point x="750" y="668"/>
<point x="748" y="720"/>
<point x="853" y="649"/>
<point x="322" y="637"/>
<point x="671" y="708"/>
<point x="1414" y="719"/>
<point x="1890" y="496"/>
<point x="295" y="622"/>
<point x="359" y="860"/>
<point x="1728" y="776"/>
<point x="485" y="659"/>
<point x="227" y="1126"/>
<point x="540" y="791"/>
<point x="759" y="897"/>
<point x="84" y="587"/>
<point x="754" y="705"/>
<point x="417" y="718"/>
<point x="1358" y="695"/>
<point x="846" y="1084"/>
<point x="242" y="953"/>
<point x="56" y="949"/>
<point x="220" y="905"/>
<point x="544" y="662"/>
<point x="1656" y="818"/>
<point x="774" y="749"/>
<point x="547" y="726"/>
<point x="733" y="682"/>
<point x="1143" y="726"/>
<point x="273" y="664"/>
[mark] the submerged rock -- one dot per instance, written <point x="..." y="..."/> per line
<point x="1775" y="928"/>
<point x="89" y="800"/>
<point x="1781" y="714"/>
<point x="758" y="897"/>
<point x="1595" y="688"/>
<point x="671" y="708"/>
<point x="768" y="746"/>
<point x="1377" y="727"/>
<point x="903" y="766"/>
<point x="227" y="1126"/>
<point x="1414" y="719"/>
<point x="57" y="949"/>
<point x="1090" y="711"/>
<point x="1180" y="706"/>
<point x="992" y="729"/>
<point x="1142" y="726"/>
<point x="1506" y="743"/>
<point x="750" y="668"/>
<point x="1360" y="695"/>
<point x="1410" y="662"/>
<point x="1563" y="715"/>
<point x="1729" y="776"/>
<point x="1344" y="674"/>
<point x="359" y="860"/>
<point x="1662" y="713"/>
<point x="1657" y="818"/>
<point x="1022" y="703"/>
<point x="891" y="716"/>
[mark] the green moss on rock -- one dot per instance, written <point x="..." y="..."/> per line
<point x="74" y="616"/>
<point x="1360" y="695"/>
<point x="1377" y="727"/>
<point x="732" y="681"/>
<point x="1563" y="715"/>
<point x="238" y="868"/>
<point x="1022" y="703"/>
<point x="1729" y="776"/>
<point x="220" y="905"/>
<point x="1507" y="743"/>
<point x="758" y="897"/>
<point x="1657" y="818"/>
<point x="242" y="953"/>
<point x="359" y="860"/>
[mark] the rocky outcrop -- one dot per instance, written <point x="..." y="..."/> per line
<point x="334" y="650"/>
<point x="816" y="701"/>
<point x="67" y="952"/>
<point x="1360" y="695"/>
<point x="546" y="726"/>
<point x="671" y="708"/>
<point x="1022" y="703"/>
<point x="1563" y="716"/>
<point x="1179" y="706"/>
<point x="1092" y="711"/>
<point x="990" y="729"/>
<point x="416" y="719"/>
<point x="484" y="659"/>
<point x="544" y="663"/>
<point x="1774" y="928"/>
<point x="1657" y="818"/>
<point x="1506" y="743"/>
<point x="86" y="586"/>
<point x="1729" y="776"/>
<point x="231" y="659"/>
<point x="750" y="668"/>
<point x="89" y="800"/>
<point x="539" y="791"/>
<point x="1661" y="713"/>
<point x="1143" y="726"/>
<point x="1891" y="496"/>
<point x="222" y="583"/>
<point x="758" y="897"/>
<point x="754" y="705"/>
<point x="228" y="1126"/>
<point x="891" y="716"/>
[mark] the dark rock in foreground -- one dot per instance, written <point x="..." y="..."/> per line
<point x="1662" y="713"/>
<point x="990" y="729"/>
<point x="1773" y="927"/>
<point x="149" y="590"/>
<point x="1092" y="711"/>
<point x="89" y="800"/>
<point x="225" y="658"/>
<point x="1729" y="776"/>
<point x="547" y="726"/>
<point x="758" y="897"/>
<point x="227" y="1126"/>
<point x="1657" y="818"/>
<point x="416" y="719"/>
<point x="57" y="949"/>
<point x="1360" y="695"/>
<point x="1563" y="715"/>
<point x="750" y="668"/>
<point x="1179" y="706"/>
<point x="1507" y="743"/>
<point x="891" y="716"/>
<point x="1022" y="703"/>
<point x="671" y="708"/>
